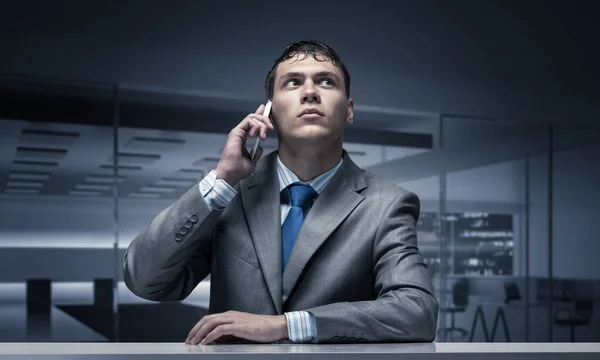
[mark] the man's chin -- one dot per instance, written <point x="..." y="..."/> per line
<point x="313" y="138"/>
<point x="312" y="134"/>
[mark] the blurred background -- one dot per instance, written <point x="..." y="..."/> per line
<point x="487" y="110"/>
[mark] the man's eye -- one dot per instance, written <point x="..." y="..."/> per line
<point x="292" y="82"/>
<point x="328" y="82"/>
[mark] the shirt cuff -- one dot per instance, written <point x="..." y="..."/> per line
<point x="217" y="192"/>
<point x="301" y="327"/>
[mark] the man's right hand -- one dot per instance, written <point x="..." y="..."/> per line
<point x="235" y="163"/>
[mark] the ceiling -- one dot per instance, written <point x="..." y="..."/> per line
<point x="512" y="60"/>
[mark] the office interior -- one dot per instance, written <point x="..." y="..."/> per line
<point x="507" y="183"/>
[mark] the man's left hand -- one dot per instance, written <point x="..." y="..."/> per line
<point x="256" y="328"/>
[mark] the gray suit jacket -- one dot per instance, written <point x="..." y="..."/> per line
<point x="355" y="265"/>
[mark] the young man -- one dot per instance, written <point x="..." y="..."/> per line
<point x="303" y="245"/>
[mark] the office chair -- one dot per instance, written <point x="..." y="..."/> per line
<point x="460" y="302"/>
<point x="511" y="292"/>
<point x="580" y="315"/>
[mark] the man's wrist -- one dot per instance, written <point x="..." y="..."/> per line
<point x="282" y="326"/>
<point x="226" y="176"/>
<point x="301" y="327"/>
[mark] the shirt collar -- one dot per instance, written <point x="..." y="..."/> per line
<point x="287" y="177"/>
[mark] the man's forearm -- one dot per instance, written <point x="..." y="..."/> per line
<point x="177" y="242"/>
<point x="400" y="316"/>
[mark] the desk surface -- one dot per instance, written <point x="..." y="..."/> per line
<point x="268" y="349"/>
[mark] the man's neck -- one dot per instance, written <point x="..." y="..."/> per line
<point x="308" y="163"/>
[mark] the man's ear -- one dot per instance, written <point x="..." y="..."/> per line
<point x="350" y="118"/>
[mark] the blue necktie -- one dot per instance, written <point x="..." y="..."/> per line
<point x="299" y="196"/>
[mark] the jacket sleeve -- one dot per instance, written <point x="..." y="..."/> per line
<point x="405" y="308"/>
<point x="169" y="258"/>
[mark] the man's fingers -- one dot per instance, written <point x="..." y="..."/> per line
<point x="242" y="131"/>
<point x="198" y="326"/>
<point x="263" y="127"/>
<point x="253" y="127"/>
<point x="257" y="130"/>
<point x="209" y="326"/>
<point x="260" y="110"/>
<point x="265" y="120"/>
<point x="219" y="331"/>
<point x="249" y="123"/>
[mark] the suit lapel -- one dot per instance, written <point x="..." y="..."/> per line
<point x="261" y="203"/>
<point x="334" y="204"/>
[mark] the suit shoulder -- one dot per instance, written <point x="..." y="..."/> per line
<point x="386" y="187"/>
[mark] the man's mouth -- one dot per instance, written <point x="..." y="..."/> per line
<point x="311" y="113"/>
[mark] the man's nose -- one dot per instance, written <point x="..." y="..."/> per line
<point x="310" y="95"/>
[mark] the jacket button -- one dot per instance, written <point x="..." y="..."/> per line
<point x="194" y="218"/>
<point x="189" y="224"/>
<point x="183" y="230"/>
<point x="178" y="237"/>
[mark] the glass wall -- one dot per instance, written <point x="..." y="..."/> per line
<point x="57" y="264"/>
<point x="506" y="223"/>
<point x="575" y="212"/>
<point x="485" y="227"/>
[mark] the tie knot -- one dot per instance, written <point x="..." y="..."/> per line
<point x="300" y="194"/>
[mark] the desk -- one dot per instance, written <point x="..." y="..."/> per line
<point x="446" y="351"/>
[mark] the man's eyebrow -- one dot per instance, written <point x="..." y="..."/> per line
<point x="300" y="75"/>
<point x="328" y="73"/>
<point x="291" y="74"/>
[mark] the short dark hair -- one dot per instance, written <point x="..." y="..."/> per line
<point x="319" y="52"/>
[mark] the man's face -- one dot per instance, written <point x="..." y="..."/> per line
<point x="309" y="100"/>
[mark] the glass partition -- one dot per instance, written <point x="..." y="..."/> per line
<point x="575" y="242"/>
<point x="485" y="228"/>
<point x="57" y="227"/>
<point x="506" y="224"/>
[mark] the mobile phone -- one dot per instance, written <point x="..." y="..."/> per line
<point x="266" y="113"/>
